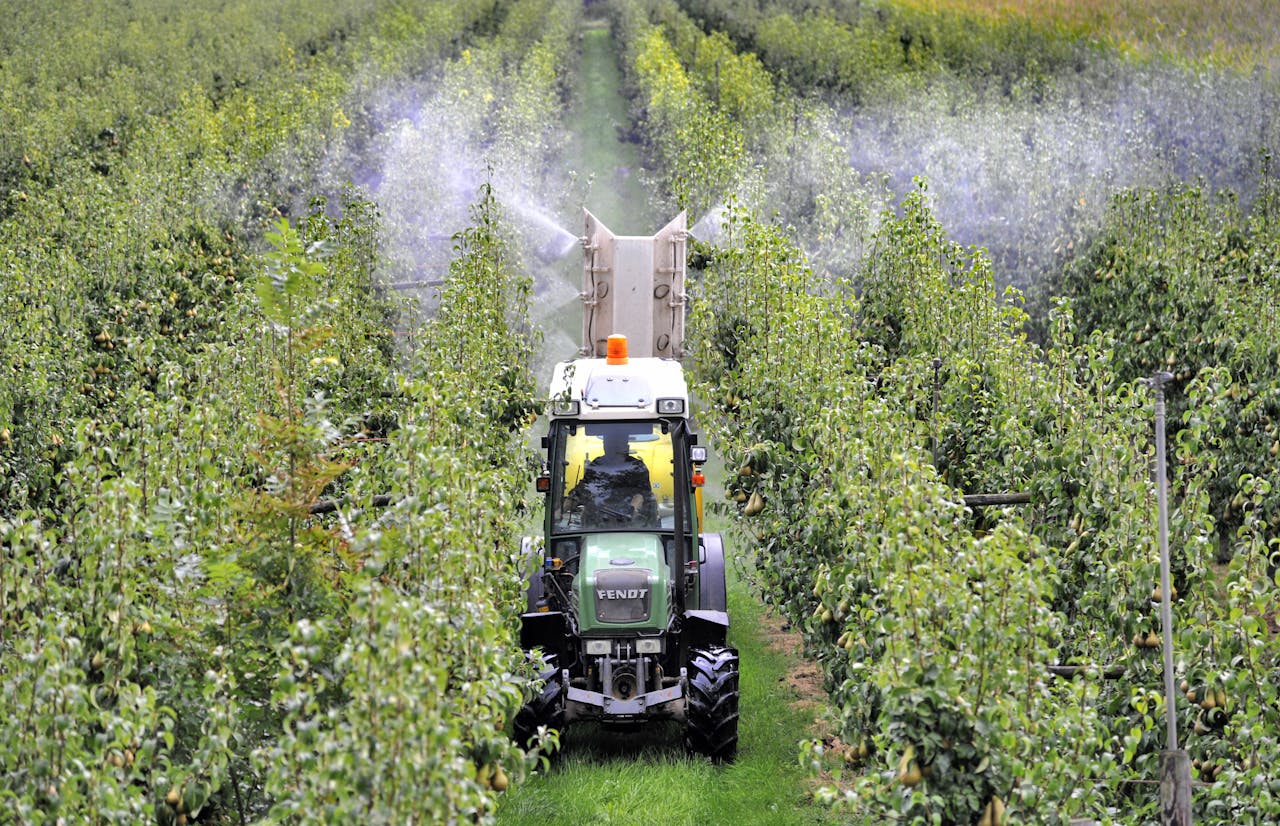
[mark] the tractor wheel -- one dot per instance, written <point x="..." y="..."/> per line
<point x="547" y="709"/>
<point x="711" y="716"/>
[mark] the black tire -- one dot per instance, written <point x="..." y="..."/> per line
<point x="547" y="709"/>
<point x="711" y="715"/>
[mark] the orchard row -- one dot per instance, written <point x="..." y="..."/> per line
<point x="859" y="406"/>
<point x="258" y="550"/>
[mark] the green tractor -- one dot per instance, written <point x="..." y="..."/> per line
<point x="626" y="602"/>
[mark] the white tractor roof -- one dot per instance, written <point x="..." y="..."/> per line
<point x="619" y="391"/>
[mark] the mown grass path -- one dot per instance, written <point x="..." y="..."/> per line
<point x="601" y="119"/>
<point x="645" y="777"/>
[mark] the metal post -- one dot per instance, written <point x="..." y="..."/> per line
<point x="933" y="420"/>
<point x="1175" y="765"/>
<point x="1166" y="608"/>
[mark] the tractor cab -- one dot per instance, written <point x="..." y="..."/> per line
<point x="623" y="479"/>
<point x="618" y="443"/>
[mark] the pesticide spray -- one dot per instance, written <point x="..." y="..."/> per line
<point x="429" y="153"/>
<point x="1030" y="176"/>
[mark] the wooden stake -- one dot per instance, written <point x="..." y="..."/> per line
<point x="1175" y="788"/>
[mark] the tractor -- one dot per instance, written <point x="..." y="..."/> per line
<point x="625" y="604"/>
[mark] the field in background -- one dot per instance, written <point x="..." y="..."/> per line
<point x="1240" y="33"/>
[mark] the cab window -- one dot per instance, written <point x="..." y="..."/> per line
<point x="612" y="476"/>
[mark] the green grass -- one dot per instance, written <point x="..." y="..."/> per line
<point x="617" y="196"/>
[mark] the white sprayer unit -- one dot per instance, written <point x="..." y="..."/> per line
<point x="633" y="285"/>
